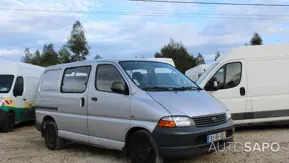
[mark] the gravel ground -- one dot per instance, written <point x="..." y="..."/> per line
<point x="25" y="145"/>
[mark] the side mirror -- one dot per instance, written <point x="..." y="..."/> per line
<point x="212" y="85"/>
<point x="119" y="87"/>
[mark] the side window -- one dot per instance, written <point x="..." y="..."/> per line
<point x="220" y="78"/>
<point x="75" y="79"/>
<point x="228" y="76"/>
<point x="105" y="76"/>
<point x="19" y="86"/>
<point x="233" y="75"/>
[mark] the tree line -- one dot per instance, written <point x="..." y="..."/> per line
<point x="184" y="60"/>
<point x="77" y="49"/>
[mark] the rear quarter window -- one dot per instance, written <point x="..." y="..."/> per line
<point x="49" y="81"/>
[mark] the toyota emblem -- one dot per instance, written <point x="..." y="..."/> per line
<point x="214" y="119"/>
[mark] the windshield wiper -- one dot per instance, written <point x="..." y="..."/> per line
<point x="187" y="88"/>
<point x="158" y="88"/>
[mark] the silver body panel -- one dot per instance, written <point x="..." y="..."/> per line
<point x="188" y="103"/>
<point x="106" y="122"/>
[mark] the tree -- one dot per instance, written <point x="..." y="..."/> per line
<point x="49" y="57"/>
<point x="64" y="55"/>
<point x="200" y="59"/>
<point x="77" y="43"/>
<point x="36" y="59"/>
<point x="256" y="40"/>
<point x="178" y="53"/>
<point x="97" y="57"/>
<point x="217" y="55"/>
<point x="27" y="57"/>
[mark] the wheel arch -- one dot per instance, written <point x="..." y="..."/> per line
<point x="128" y="135"/>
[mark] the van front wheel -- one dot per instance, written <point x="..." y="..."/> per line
<point x="52" y="141"/>
<point x="9" y="123"/>
<point x="143" y="148"/>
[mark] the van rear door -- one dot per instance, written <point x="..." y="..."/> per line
<point x="230" y="88"/>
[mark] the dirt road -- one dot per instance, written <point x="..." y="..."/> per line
<point x="25" y="145"/>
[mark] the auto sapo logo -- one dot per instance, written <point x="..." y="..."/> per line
<point x="245" y="146"/>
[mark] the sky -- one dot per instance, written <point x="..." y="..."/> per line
<point x="122" y="28"/>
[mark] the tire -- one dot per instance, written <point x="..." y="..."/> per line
<point x="52" y="141"/>
<point x="9" y="123"/>
<point x="143" y="148"/>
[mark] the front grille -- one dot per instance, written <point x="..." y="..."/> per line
<point x="209" y="120"/>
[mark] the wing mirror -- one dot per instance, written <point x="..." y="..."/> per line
<point x="119" y="87"/>
<point x="212" y="85"/>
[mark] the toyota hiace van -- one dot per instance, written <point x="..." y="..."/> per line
<point x="147" y="109"/>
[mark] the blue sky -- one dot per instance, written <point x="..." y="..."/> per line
<point x="118" y="35"/>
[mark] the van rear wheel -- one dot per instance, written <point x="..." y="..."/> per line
<point x="143" y="148"/>
<point x="9" y="123"/>
<point x="52" y="141"/>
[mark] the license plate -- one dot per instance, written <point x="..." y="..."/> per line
<point x="216" y="137"/>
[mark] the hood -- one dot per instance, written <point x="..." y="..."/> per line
<point x="189" y="103"/>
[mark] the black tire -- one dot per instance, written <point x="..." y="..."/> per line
<point x="52" y="141"/>
<point x="9" y="123"/>
<point x="143" y="148"/>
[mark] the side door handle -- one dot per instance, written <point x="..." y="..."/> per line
<point x="82" y="102"/>
<point x="242" y="91"/>
<point x="94" y="99"/>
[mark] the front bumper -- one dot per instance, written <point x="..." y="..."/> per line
<point x="188" y="142"/>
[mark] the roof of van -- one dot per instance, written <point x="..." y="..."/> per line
<point x="17" y="67"/>
<point x="260" y="51"/>
<point x="104" y="60"/>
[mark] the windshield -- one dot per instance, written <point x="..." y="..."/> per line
<point x="206" y="73"/>
<point x="156" y="76"/>
<point x="6" y="83"/>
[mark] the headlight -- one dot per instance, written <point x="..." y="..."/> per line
<point x="228" y="115"/>
<point x="172" y="122"/>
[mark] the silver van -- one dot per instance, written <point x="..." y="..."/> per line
<point x="147" y="109"/>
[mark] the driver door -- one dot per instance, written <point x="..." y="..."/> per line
<point x="230" y="88"/>
<point x="109" y="112"/>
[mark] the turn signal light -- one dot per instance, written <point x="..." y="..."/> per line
<point x="167" y="122"/>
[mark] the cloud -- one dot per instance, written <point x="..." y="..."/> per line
<point x="262" y="23"/>
<point x="11" y="52"/>
<point x="113" y="35"/>
<point x="50" y="26"/>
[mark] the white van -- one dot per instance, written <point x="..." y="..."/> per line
<point x="146" y="108"/>
<point x="18" y="85"/>
<point x="195" y="73"/>
<point x="253" y="82"/>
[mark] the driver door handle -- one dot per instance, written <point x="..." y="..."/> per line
<point x="82" y="102"/>
<point x="242" y="91"/>
<point x="94" y="99"/>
